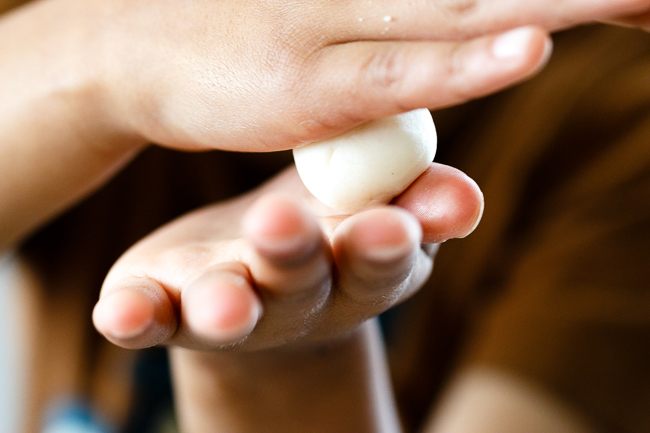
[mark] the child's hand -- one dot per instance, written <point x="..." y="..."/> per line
<point x="257" y="75"/>
<point x="274" y="267"/>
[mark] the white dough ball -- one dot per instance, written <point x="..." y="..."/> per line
<point x="370" y="164"/>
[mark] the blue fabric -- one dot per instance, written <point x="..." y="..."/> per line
<point x="74" y="417"/>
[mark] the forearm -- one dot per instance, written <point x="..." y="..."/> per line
<point x="57" y="141"/>
<point x="341" y="387"/>
<point x="482" y="400"/>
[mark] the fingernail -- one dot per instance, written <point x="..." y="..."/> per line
<point x="387" y="254"/>
<point x="388" y="239"/>
<point x="512" y="44"/>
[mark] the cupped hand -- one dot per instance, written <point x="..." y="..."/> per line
<point x="256" y="75"/>
<point x="274" y="267"/>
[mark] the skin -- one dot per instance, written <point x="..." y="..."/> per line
<point x="246" y="75"/>
<point x="485" y="400"/>
<point x="294" y="284"/>
<point x="209" y="280"/>
<point x="93" y="106"/>
<point x="260" y="314"/>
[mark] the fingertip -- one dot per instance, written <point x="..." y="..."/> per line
<point x="377" y="243"/>
<point x="470" y="214"/>
<point x="448" y="203"/>
<point x="383" y="235"/>
<point x="135" y="315"/>
<point x="378" y="258"/>
<point x="221" y="307"/>
<point x="279" y="227"/>
<point x="124" y="314"/>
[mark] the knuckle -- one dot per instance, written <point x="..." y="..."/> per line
<point x="293" y="42"/>
<point x="455" y="61"/>
<point x="315" y="127"/>
<point x="327" y="123"/>
<point x="293" y="30"/>
<point x="458" y="83"/>
<point x="385" y="73"/>
<point x="464" y="17"/>
<point x="384" y="69"/>
<point x="458" y="7"/>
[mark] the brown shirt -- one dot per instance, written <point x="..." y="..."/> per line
<point x="554" y="286"/>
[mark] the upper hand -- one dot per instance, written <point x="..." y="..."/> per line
<point x="256" y="75"/>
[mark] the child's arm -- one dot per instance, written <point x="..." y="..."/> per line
<point x="57" y="141"/>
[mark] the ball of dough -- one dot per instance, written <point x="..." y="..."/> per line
<point x="370" y="164"/>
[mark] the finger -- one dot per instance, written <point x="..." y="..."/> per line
<point x="289" y="261"/>
<point x="367" y="80"/>
<point x="447" y="203"/>
<point x="379" y="261"/>
<point x="639" y="20"/>
<point x="219" y="308"/>
<point x="463" y="19"/>
<point x="135" y="313"/>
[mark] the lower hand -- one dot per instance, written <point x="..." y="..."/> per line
<point x="293" y="272"/>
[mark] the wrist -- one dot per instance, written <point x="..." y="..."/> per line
<point x="92" y="89"/>
<point x="340" y="385"/>
<point x="124" y="73"/>
<point x="62" y="68"/>
<point x="60" y="141"/>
